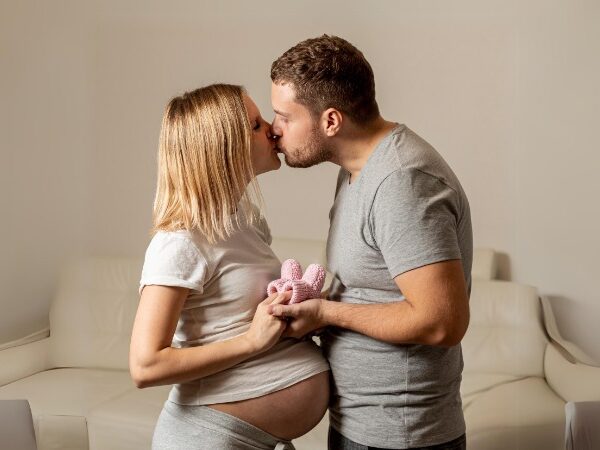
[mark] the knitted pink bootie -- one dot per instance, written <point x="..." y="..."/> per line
<point x="304" y="286"/>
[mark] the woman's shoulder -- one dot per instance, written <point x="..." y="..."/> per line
<point x="179" y="244"/>
<point x="178" y="238"/>
<point x="173" y="259"/>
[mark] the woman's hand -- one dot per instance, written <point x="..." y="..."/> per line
<point x="266" y="329"/>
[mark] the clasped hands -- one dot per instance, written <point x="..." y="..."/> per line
<point x="302" y="318"/>
<point x="301" y="310"/>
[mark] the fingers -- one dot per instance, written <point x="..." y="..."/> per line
<point x="270" y="298"/>
<point x="279" y="310"/>
<point x="278" y="298"/>
<point x="284" y="297"/>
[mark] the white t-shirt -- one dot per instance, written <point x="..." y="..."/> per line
<point x="227" y="280"/>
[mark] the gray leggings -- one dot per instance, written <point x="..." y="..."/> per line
<point x="191" y="427"/>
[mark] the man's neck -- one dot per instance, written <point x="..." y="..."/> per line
<point x="358" y="143"/>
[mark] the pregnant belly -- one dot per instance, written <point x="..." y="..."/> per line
<point x="288" y="413"/>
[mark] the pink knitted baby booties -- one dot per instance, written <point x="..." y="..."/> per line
<point x="304" y="286"/>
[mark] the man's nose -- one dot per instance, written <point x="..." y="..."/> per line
<point x="275" y="129"/>
<point x="270" y="135"/>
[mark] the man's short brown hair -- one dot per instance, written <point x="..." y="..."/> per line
<point x="329" y="72"/>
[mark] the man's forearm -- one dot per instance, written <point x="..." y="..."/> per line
<point x="397" y="323"/>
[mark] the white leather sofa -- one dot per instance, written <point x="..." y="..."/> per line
<point x="518" y="371"/>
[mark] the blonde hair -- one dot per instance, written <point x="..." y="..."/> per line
<point x="204" y="164"/>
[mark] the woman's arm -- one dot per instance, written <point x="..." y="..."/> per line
<point x="152" y="360"/>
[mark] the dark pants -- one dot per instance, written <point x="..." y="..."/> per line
<point x="338" y="442"/>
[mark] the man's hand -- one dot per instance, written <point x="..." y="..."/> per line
<point x="304" y="317"/>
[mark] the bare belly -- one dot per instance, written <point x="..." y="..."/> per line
<point x="288" y="413"/>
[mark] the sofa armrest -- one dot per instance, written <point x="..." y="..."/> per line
<point x="572" y="381"/>
<point x="21" y="361"/>
<point x="570" y="351"/>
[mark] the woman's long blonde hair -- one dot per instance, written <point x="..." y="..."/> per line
<point x="204" y="164"/>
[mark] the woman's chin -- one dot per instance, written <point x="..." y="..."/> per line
<point x="276" y="163"/>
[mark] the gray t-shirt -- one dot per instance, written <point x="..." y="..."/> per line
<point x="405" y="210"/>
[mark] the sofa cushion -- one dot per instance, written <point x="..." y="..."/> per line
<point x="505" y="334"/>
<point x="523" y="414"/>
<point x="127" y="421"/>
<point x="61" y="432"/>
<point x="315" y="439"/>
<point x="473" y="384"/>
<point x="95" y="304"/>
<point x="60" y="399"/>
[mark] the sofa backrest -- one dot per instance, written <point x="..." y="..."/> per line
<point x="92" y="313"/>
<point x="485" y="264"/>
<point x="506" y="333"/>
<point x="91" y="316"/>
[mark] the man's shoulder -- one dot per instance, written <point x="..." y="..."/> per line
<point x="406" y="150"/>
<point x="408" y="155"/>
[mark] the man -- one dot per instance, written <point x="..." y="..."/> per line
<point x="399" y="249"/>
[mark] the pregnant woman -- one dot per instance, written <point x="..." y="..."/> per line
<point x="202" y="323"/>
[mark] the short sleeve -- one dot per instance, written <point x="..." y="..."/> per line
<point x="414" y="220"/>
<point x="173" y="259"/>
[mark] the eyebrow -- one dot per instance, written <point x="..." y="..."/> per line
<point x="281" y="113"/>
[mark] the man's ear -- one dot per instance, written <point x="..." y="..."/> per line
<point x="331" y="121"/>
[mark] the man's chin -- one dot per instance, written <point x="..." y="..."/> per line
<point x="300" y="163"/>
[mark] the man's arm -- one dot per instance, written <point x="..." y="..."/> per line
<point x="435" y="310"/>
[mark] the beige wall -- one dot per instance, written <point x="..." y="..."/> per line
<point x="508" y="93"/>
